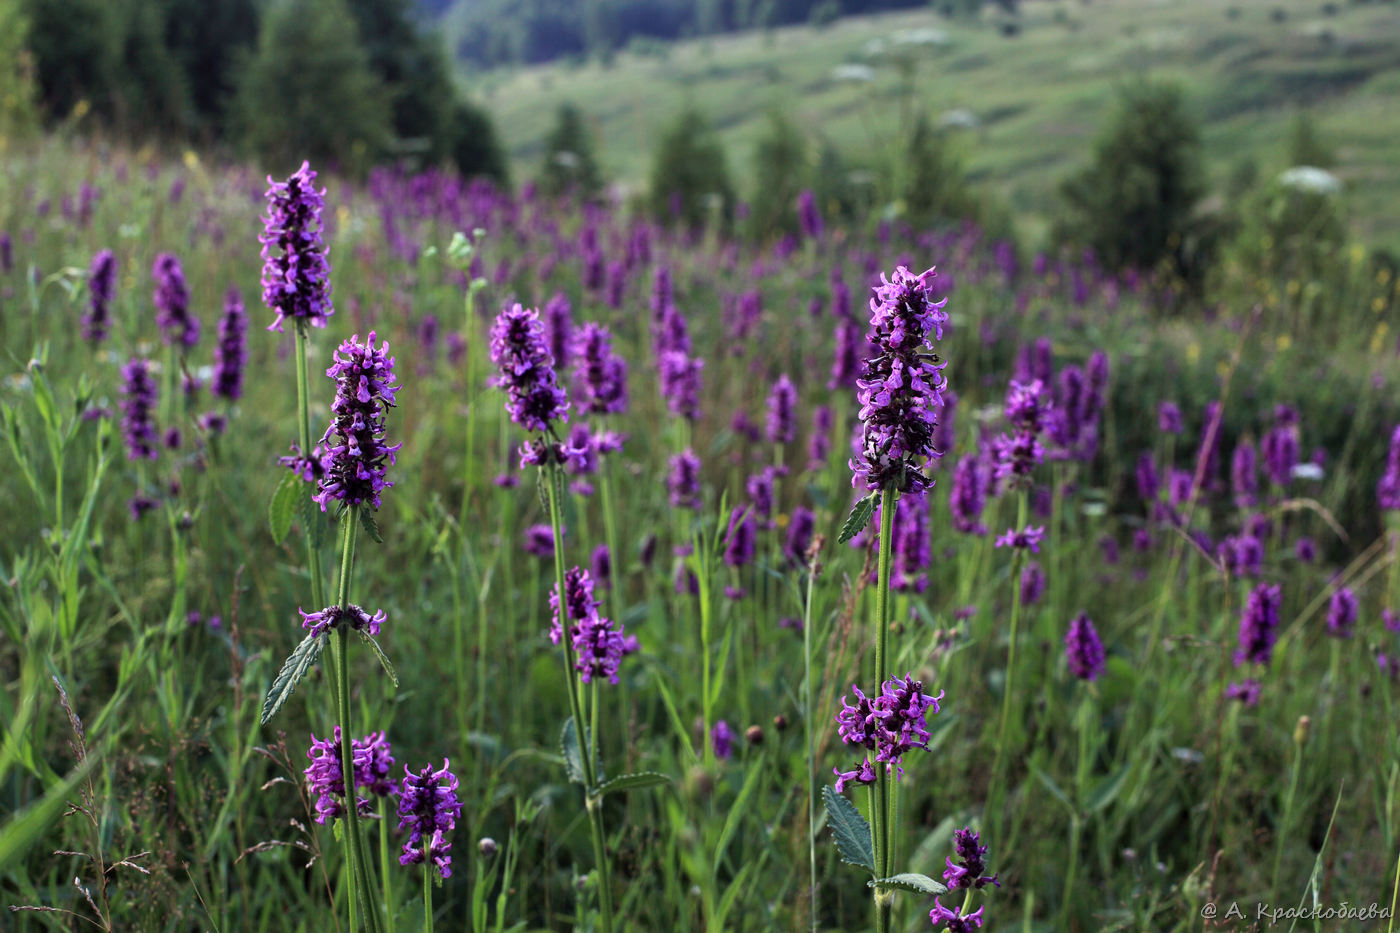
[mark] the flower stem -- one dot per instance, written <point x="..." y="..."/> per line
<point x="1016" y="561"/>
<point x="811" y="750"/>
<point x="313" y="559"/>
<point x="552" y="481"/>
<point x="427" y="896"/>
<point x="880" y="804"/>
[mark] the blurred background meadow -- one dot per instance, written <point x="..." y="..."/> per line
<point x="1181" y="218"/>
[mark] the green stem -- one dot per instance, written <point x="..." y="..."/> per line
<point x="996" y="790"/>
<point x="882" y="796"/>
<point x="811" y="750"/>
<point x="1287" y="816"/>
<point x="390" y="909"/>
<point x="595" y="816"/>
<point x="359" y="874"/>
<point x="313" y="559"/>
<point x="610" y="532"/>
<point x="427" y="896"/>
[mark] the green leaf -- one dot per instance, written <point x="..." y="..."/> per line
<point x="850" y="829"/>
<point x="314" y="523"/>
<point x="572" y="752"/>
<point x="282" y="509"/>
<point x="1055" y="791"/>
<point x="633" y="781"/>
<point x="911" y="881"/>
<point x="859" y="518"/>
<point x="368" y="523"/>
<point x="379" y="653"/>
<point x="1108" y="789"/>
<point x="20" y="834"/>
<point x="293" y="670"/>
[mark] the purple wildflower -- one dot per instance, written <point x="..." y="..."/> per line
<point x="102" y="289"/>
<point x="230" y="353"/>
<point x="819" y="442"/>
<point x="318" y="623"/>
<point x="740" y="541"/>
<point x="172" y="301"/>
<point x="966" y="499"/>
<point x="683" y="482"/>
<point x="138" y="410"/>
<point x="1023" y="539"/>
<point x="802" y="525"/>
<point x="296" y="275"/>
<point x="601" y="564"/>
<point x="1259" y="625"/>
<point x="890" y="725"/>
<point x="138" y="505"/>
<point x="1244" y="478"/>
<point x="1342" y="611"/>
<point x="1083" y="649"/>
<point x="1246" y="692"/>
<point x="356" y="464"/>
<point x="1305" y="549"/>
<point x="1032" y="583"/>
<point x="782" y="411"/>
<point x="1388" y="489"/>
<point x="519" y="350"/>
<point x="599" y="374"/>
<point x="371" y="760"/>
<point x="539" y="541"/>
<point x="1280" y="450"/>
<point x="972" y="862"/>
<point x="1168" y="418"/>
<point x="809" y="216"/>
<point x="559" y="326"/>
<point x="428" y="808"/>
<point x="901" y="387"/>
<point x="1148" y="483"/>
<point x="954" y="921"/>
<point x="722" y="739"/>
<point x="681" y="383"/>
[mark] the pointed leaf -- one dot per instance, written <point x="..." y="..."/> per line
<point x="379" y="653"/>
<point x="858" y="519"/>
<point x="572" y="752"/>
<point x="370" y="525"/>
<point x="1108" y="789"/>
<point x="21" y="833"/>
<point x="633" y="782"/>
<point x="293" y="670"/>
<point x="1055" y="791"/>
<point x="851" y="831"/>
<point x="282" y="509"/>
<point x="314" y="523"/>
<point x="911" y="881"/>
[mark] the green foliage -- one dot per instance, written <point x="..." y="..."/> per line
<point x="206" y="38"/>
<point x="933" y="184"/>
<point x="16" y="80"/>
<point x="689" y="174"/>
<point x="781" y="170"/>
<point x="475" y="146"/>
<point x="1305" y="146"/>
<point x="308" y="91"/>
<point x="570" y="163"/>
<point x="76" y="47"/>
<point x="1134" y="203"/>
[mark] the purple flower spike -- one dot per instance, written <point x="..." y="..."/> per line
<point x="102" y="289"/>
<point x="357" y="461"/>
<point x="782" y="411"/>
<point x="518" y="348"/>
<point x="318" y="623"/>
<point x="599" y="374"/>
<point x="138" y="411"/>
<point x="599" y="643"/>
<point x="1388" y="489"/>
<point x="1083" y="649"/>
<point x="1341" y="613"/>
<point x="1259" y="625"/>
<point x="428" y="808"/>
<point x="954" y="921"/>
<point x="722" y="738"/>
<point x="371" y="759"/>
<point x="890" y="725"/>
<point x="230" y="353"/>
<point x="172" y="301"/>
<point x="296" y="275"/>
<point x="901" y="387"/>
<point x="967" y="873"/>
<point x="1246" y="692"/>
<point x="683" y="483"/>
<point x="1027" y="538"/>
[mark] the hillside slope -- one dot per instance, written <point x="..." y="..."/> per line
<point x="1036" y="99"/>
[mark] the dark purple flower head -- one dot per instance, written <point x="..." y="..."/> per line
<point x="578" y="599"/>
<point x="1388" y="489"/>
<point x="599" y="643"/>
<point x="371" y="759"/>
<point x="1027" y="538"/>
<point x="681" y="383"/>
<point x="809" y="216"/>
<point x="601" y="564"/>
<point x="1244" y="475"/>
<point x="954" y="921"/>
<point x="1280" y="450"/>
<point x="138" y="505"/>
<point x="1083" y="650"/>
<point x="1246" y="692"/>
<point x="741" y="540"/>
<point x="850" y="342"/>
<point x="819" y="442"/>
<point x="600" y="376"/>
<point x="912" y="546"/>
<point x="802" y="525"/>
<point x="683" y="482"/>
<point x="1032" y="583"/>
<point x="230" y="354"/>
<point x="311" y="469"/>
<point x="1305" y="549"/>
<point x="1017" y="456"/>
<point x="539" y="541"/>
<point x="972" y="862"/>
<point x="138" y="410"/>
<point x="318" y="623"/>
<point x="1168" y="418"/>
<point x="559" y="325"/>
<point x="782" y="411"/>
<point x="759" y="486"/>
<point x="1148" y="483"/>
<point x="1028" y="406"/>
<point x="1241" y="555"/>
<point x="1342" y="611"/>
<point x="172" y="301"/>
<point x="102" y="289"/>
<point x="1259" y="625"/>
<point x="966" y="499"/>
<point x="428" y="808"/>
<point x="535" y="399"/>
<point x="890" y="725"/>
<point x="722" y="739"/>
<point x="357" y="460"/>
<point x="296" y="275"/>
<point x="900" y="390"/>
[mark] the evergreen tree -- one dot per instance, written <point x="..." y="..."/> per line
<point x="475" y="147"/>
<point x="76" y="47"/>
<point x="934" y="186"/>
<point x="206" y="37"/>
<point x="150" y="91"/>
<point x="570" y="165"/>
<point x="308" y="91"/>
<point x="689" y="174"/>
<point x="1133" y="205"/>
<point x="781" y="171"/>
<point x="1305" y="146"/>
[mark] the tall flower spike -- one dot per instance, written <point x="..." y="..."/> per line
<point x="357" y="459"/>
<point x="296" y="276"/>
<point x="901" y="387"/>
<point x="172" y="301"/>
<point x="1259" y="625"/>
<point x="138" y="411"/>
<point x="518" y="348"/>
<point x="1083" y="649"/>
<point x="230" y="353"/>
<point x="428" y="808"/>
<point x="600" y="376"/>
<point x="102" y="288"/>
<point x="782" y="411"/>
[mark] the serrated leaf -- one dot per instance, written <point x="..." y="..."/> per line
<point x="572" y="752"/>
<point x="379" y="653"/>
<point x="283" y="506"/>
<point x="911" y="881"/>
<point x="293" y="670"/>
<point x="633" y="782"/>
<point x="851" y="831"/>
<point x="369" y="524"/>
<point x="858" y="519"/>
<point x="314" y="523"/>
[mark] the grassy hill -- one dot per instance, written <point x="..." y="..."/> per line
<point x="1037" y="98"/>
